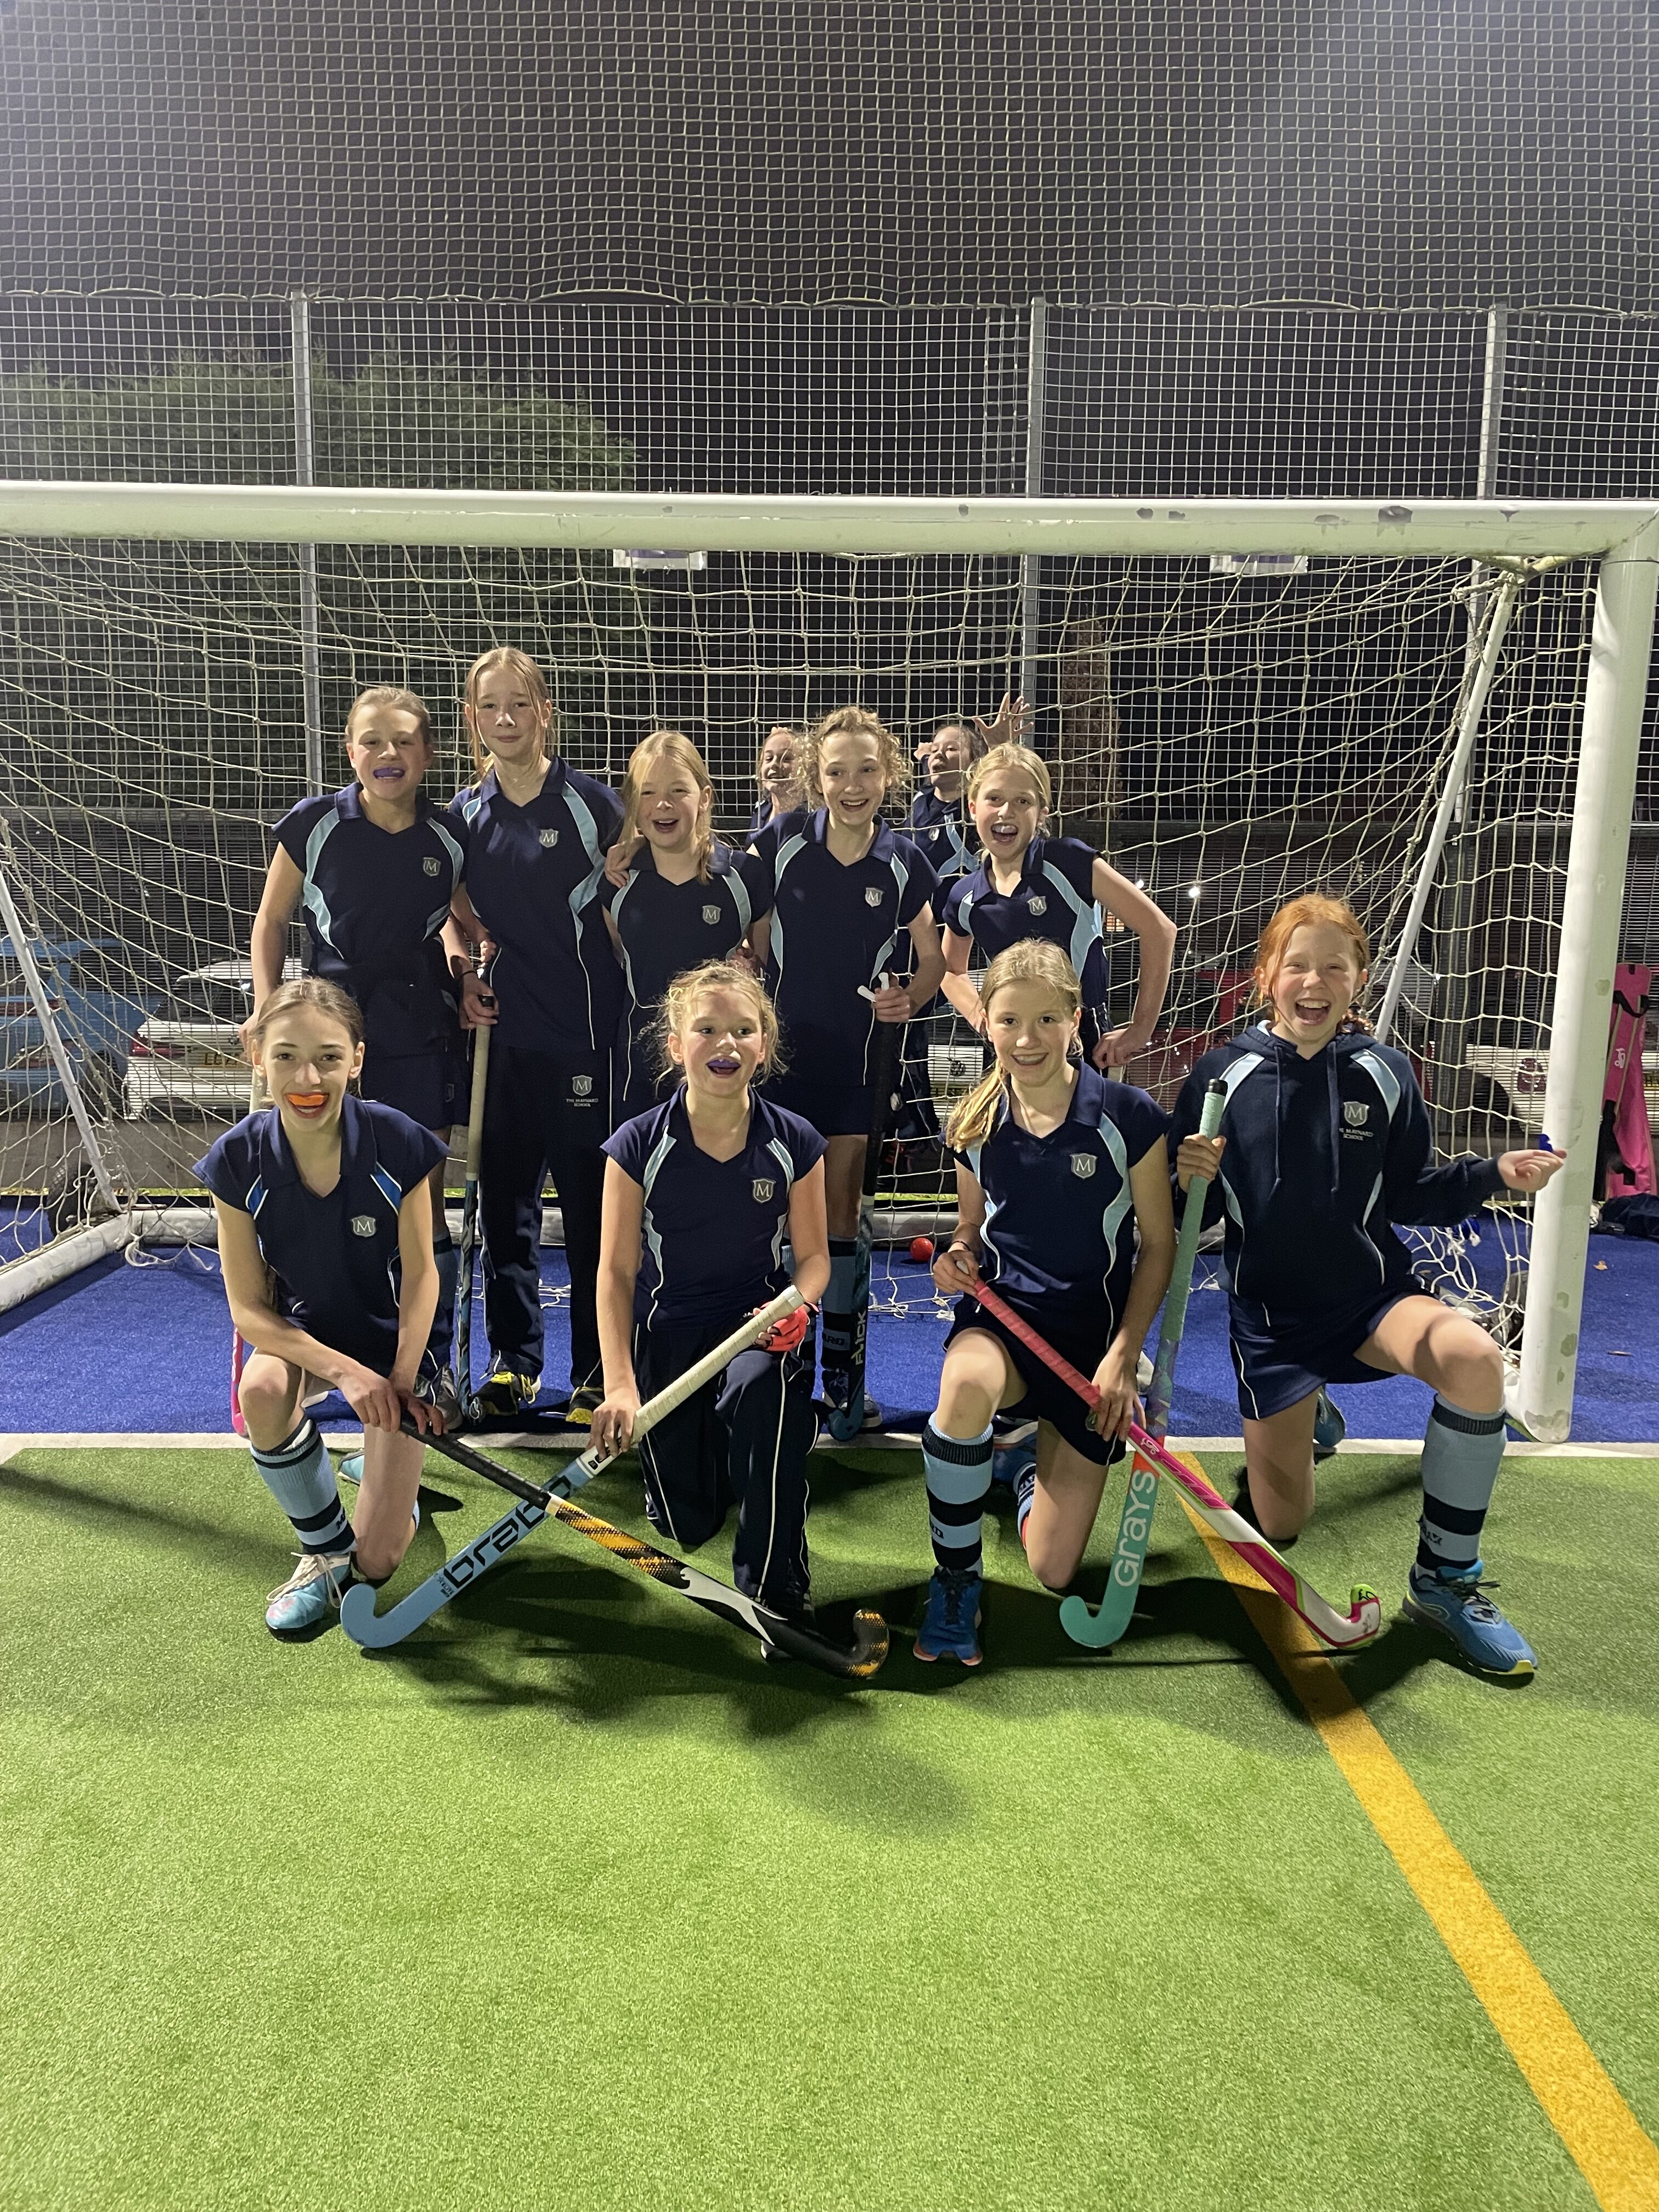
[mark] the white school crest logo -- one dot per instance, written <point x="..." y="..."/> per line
<point x="873" y="894"/>
<point x="362" y="1224"/>
<point x="711" y="914"/>
<point x="1037" y="905"/>
<point x="1083" y="1164"/>
<point x="580" y="1086"/>
<point x="432" y="864"/>
<point x="1355" y="1113"/>
<point x="550" y="838"/>
<point x="763" y="1188"/>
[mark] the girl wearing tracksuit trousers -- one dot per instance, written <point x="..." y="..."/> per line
<point x="1324" y="1145"/>
<point x="376" y="868"/>
<point x="844" y="889"/>
<point x="536" y="832"/>
<point x="324" y="1220"/>
<point x="1058" y="888"/>
<point x="1057" y="1171"/>
<point x="699" y="1196"/>
<point x="685" y="899"/>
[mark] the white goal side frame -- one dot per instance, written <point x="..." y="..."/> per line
<point x="1622" y="536"/>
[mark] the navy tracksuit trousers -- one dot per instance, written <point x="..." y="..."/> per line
<point x="743" y="1440"/>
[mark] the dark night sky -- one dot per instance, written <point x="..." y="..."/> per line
<point x="1421" y="153"/>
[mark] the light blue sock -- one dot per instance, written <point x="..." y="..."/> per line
<point x="958" y="1477"/>
<point x="298" y="1474"/>
<point x="1462" y="1454"/>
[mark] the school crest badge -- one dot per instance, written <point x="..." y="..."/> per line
<point x="763" y="1186"/>
<point x="548" y="839"/>
<point x="873" y="894"/>
<point x="582" y="1086"/>
<point x="1037" y="905"/>
<point x="711" y="914"/>
<point x="1083" y="1164"/>
<point x="363" y="1225"/>
<point x="1355" y="1113"/>
<point x="432" y="864"/>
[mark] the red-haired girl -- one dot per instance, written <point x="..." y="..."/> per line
<point x="1324" y="1145"/>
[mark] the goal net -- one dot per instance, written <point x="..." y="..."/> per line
<point x="1270" y="699"/>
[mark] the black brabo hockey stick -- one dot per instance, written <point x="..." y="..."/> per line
<point x="846" y="1421"/>
<point x="375" y="1632"/>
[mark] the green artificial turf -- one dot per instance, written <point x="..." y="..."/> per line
<point x="571" y="1902"/>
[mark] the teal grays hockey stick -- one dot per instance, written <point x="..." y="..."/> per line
<point x="1134" y="1529"/>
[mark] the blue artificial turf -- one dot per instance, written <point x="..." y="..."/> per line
<point x="147" y="1348"/>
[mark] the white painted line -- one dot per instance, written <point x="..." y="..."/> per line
<point x="117" y="1440"/>
<point x="876" y="1440"/>
<point x="1396" y="1446"/>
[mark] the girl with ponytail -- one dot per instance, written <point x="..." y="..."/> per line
<point x="1057" y="1167"/>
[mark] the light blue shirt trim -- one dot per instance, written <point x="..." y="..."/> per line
<point x="1385" y="1079"/>
<point x="1111" y="1221"/>
<point x="315" y="904"/>
<point x="1085" y="920"/>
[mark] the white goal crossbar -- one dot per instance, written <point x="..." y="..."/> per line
<point x="1621" y="538"/>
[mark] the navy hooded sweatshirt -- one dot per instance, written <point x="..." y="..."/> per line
<point x="1323" y="1156"/>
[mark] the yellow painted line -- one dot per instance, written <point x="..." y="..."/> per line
<point x="1619" y="2160"/>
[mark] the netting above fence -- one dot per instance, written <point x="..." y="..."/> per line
<point x="1400" y="153"/>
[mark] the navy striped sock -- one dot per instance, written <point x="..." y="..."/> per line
<point x="299" y="1476"/>
<point x="1462" y="1454"/>
<point x="958" y="1477"/>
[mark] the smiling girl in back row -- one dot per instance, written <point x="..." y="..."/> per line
<point x="845" y="889"/>
<point x="687" y="898"/>
<point x="1057" y="888"/>
<point x="377" y="867"/>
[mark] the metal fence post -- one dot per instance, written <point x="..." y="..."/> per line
<point x="310" y="606"/>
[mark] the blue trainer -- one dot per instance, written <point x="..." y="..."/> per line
<point x="350" y="1468"/>
<point x="950" y="1630"/>
<point x="1456" y="1606"/>
<point x="310" y="1594"/>
<point x="1329" y="1428"/>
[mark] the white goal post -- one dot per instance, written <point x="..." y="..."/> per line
<point x="1620" y="539"/>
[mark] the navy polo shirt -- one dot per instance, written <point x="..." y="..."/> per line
<point x="1053" y="898"/>
<point x="834" y="929"/>
<point x="335" y="1258"/>
<point x="1060" y="1224"/>
<point x="371" y="897"/>
<point x="943" y="829"/>
<point x="667" y="928"/>
<point x="533" y="874"/>
<point x="713" y="1233"/>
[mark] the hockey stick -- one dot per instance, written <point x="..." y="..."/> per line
<point x="470" y="1219"/>
<point x="847" y="1420"/>
<point x="377" y="1630"/>
<point x="1134" y="1529"/>
<point x="1364" y="1617"/>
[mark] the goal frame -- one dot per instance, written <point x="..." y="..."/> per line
<point x="1620" y="537"/>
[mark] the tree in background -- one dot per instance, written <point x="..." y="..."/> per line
<point x="137" y="675"/>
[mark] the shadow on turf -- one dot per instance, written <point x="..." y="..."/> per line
<point x="630" y="1646"/>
